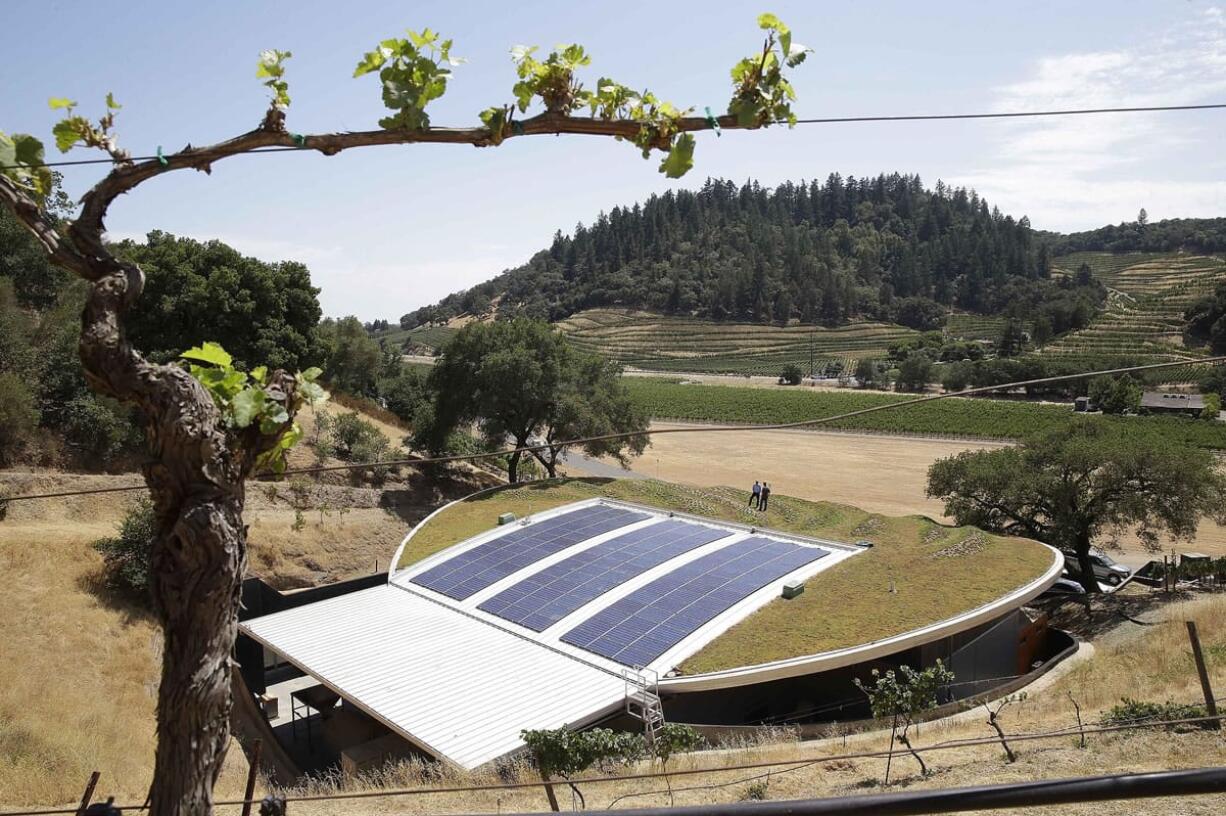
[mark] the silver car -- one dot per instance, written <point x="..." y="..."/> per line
<point x="1106" y="569"/>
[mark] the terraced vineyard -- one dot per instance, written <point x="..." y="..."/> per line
<point x="1143" y="321"/>
<point x="976" y="327"/>
<point x="431" y="337"/>
<point x="660" y="343"/>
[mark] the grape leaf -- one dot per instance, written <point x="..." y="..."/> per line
<point x="680" y="157"/>
<point x="67" y="132"/>
<point x="209" y="352"/>
<point x="246" y="405"/>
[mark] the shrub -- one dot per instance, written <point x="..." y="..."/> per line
<point x="914" y="374"/>
<point x="1129" y="711"/>
<point x="18" y="417"/>
<point x="1213" y="407"/>
<point x="349" y="431"/>
<point x="791" y="375"/>
<point x="957" y="376"/>
<point x="565" y="753"/>
<point x="373" y="450"/>
<point x="127" y="555"/>
<point x="756" y="792"/>
<point x="98" y="429"/>
<point x="1115" y="395"/>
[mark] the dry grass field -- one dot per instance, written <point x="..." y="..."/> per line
<point x="78" y="681"/>
<point x="881" y="474"/>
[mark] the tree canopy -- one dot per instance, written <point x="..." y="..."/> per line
<point x="519" y="379"/>
<point x="265" y="313"/>
<point x="1115" y="395"/>
<point x="1207" y="320"/>
<point x="1169" y="235"/>
<point x="882" y="247"/>
<point x="1082" y="484"/>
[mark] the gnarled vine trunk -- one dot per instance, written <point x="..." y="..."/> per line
<point x="196" y="475"/>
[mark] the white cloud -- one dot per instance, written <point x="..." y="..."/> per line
<point x="1083" y="171"/>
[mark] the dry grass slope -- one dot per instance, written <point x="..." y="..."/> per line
<point x="847" y="604"/>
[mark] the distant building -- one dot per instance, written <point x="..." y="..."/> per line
<point x="1166" y="403"/>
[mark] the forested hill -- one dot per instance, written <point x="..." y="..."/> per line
<point x="1201" y="236"/>
<point x="883" y="248"/>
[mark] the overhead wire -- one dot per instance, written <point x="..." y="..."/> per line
<point x="804" y="423"/>
<point x="798" y="764"/>
<point x="827" y="120"/>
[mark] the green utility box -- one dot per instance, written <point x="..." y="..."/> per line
<point x="793" y="588"/>
<point x="506" y="518"/>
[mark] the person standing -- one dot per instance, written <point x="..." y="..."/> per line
<point x="764" y="496"/>
<point x="756" y="495"/>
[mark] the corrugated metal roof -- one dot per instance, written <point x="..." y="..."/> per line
<point x="455" y="685"/>
<point x="1172" y="400"/>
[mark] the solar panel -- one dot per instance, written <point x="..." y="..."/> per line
<point x="651" y="620"/>
<point x="546" y="597"/>
<point x="473" y="570"/>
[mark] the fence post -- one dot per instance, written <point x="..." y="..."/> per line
<point x="1206" y="689"/>
<point x="89" y="792"/>
<point x="252" y="771"/>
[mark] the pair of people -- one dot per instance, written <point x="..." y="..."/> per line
<point x="760" y="495"/>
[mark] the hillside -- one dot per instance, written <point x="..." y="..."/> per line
<point x="744" y="280"/>
<point x="882" y="249"/>
<point x="1143" y="321"/>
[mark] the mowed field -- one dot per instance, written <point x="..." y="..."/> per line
<point x="662" y="343"/>
<point x="880" y="474"/>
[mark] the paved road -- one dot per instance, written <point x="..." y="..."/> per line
<point x="594" y="467"/>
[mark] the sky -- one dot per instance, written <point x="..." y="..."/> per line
<point x="385" y="230"/>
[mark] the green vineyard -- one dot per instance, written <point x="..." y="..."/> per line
<point x="984" y="418"/>
<point x="977" y="327"/>
<point x="424" y="338"/>
<point x="660" y="343"/>
<point x="1143" y="321"/>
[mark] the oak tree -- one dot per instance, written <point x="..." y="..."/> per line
<point x="519" y="380"/>
<point x="209" y="424"/>
<point x="1083" y="483"/>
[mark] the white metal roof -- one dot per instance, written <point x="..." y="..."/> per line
<point x="456" y="686"/>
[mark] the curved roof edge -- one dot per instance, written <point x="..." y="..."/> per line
<point x="838" y="658"/>
<point x="392" y="566"/>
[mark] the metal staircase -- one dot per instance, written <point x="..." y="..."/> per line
<point x="643" y="700"/>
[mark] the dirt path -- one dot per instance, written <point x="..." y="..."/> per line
<point x="883" y="474"/>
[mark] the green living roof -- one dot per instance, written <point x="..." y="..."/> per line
<point x="938" y="571"/>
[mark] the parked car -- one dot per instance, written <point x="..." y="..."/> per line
<point x="1106" y="570"/>
<point x="1063" y="589"/>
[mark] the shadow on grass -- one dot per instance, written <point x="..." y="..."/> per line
<point x="131" y="609"/>
<point x="1110" y="611"/>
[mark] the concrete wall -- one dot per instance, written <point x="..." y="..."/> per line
<point x="980" y="657"/>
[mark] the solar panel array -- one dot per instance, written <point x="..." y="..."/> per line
<point x="473" y="570"/>
<point x="649" y="621"/>
<point x="543" y="599"/>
